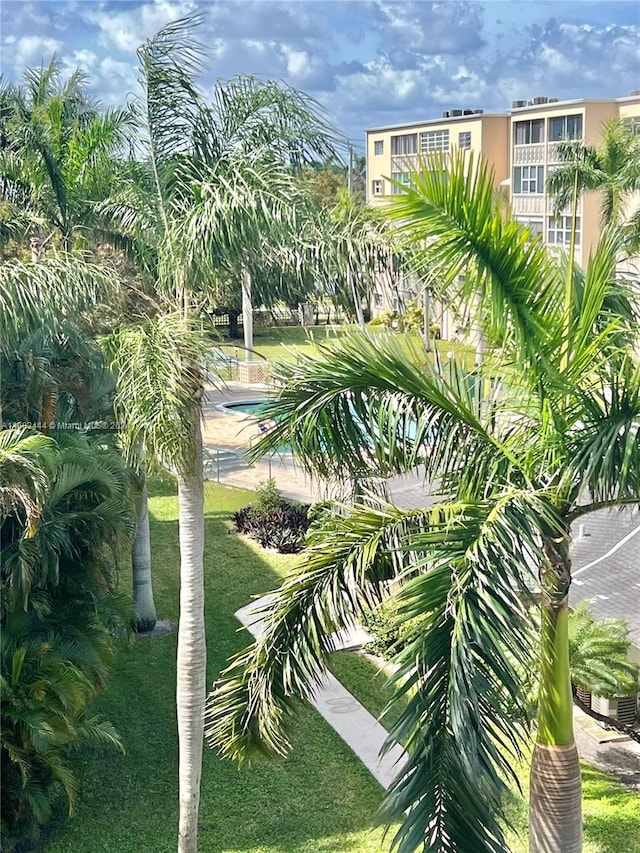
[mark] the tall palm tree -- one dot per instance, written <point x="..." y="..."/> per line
<point x="219" y="193"/>
<point x="512" y="469"/>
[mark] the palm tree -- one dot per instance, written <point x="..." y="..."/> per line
<point x="58" y="151"/>
<point x="65" y="508"/>
<point x="219" y="192"/>
<point x="611" y="169"/>
<point x="512" y="469"/>
<point x="599" y="655"/>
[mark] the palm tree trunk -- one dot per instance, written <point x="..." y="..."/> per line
<point x="247" y="313"/>
<point x="426" y="320"/>
<point x="191" y="674"/>
<point x="356" y="299"/>
<point x="144" y="609"/>
<point x="555" y="801"/>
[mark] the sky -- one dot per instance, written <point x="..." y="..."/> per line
<point x="368" y="62"/>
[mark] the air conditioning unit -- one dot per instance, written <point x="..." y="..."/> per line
<point x="477" y="112"/>
<point x="446" y="114"/>
<point x="467" y="112"/>
<point x="455" y="113"/>
<point x="624" y="710"/>
<point x="584" y="696"/>
<point x="537" y="101"/>
<point x="517" y="105"/>
<point x="553" y="100"/>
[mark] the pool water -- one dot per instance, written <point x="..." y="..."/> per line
<point x="245" y="407"/>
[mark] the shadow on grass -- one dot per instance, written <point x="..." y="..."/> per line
<point x="611" y="814"/>
<point x="320" y="798"/>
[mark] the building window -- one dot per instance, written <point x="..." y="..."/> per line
<point x="565" y="127"/>
<point x="464" y="139"/>
<point x="528" y="132"/>
<point x="434" y="140"/>
<point x="377" y="187"/>
<point x="559" y="231"/>
<point x="533" y="224"/>
<point x="633" y="124"/>
<point x="528" y="179"/>
<point x="402" y="178"/>
<point x="405" y="144"/>
<point x="378" y="147"/>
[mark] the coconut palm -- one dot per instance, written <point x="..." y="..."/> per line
<point x="512" y="465"/>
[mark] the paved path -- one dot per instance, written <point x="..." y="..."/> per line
<point x="355" y="725"/>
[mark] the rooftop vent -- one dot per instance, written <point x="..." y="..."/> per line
<point x="517" y="105"/>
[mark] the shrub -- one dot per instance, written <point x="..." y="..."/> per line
<point x="273" y="521"/>
<point x="388" y="636"/>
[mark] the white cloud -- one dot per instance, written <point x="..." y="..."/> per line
<point x="127" y="30"/>
<point x="32" y="50"/>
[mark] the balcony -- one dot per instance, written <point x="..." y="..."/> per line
<point x="528" y="203"/>
<point x="525" y="154"/>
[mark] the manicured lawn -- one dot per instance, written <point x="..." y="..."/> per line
<point x="282" y="343"/>
<point x="319" y="799"/>
<point x="611" y="811"/>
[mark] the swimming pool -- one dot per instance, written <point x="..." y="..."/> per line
<point x="244" y="407"/>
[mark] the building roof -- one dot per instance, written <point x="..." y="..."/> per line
<point x="606" y="566"/>
<point x="477" y="116"/>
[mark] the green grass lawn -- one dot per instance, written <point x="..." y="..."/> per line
<point x="320" y="798"/>
<point x="611" y="811"/>
<point x="283" y="343"/>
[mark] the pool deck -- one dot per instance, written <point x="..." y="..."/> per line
<point x="228" y="431"/>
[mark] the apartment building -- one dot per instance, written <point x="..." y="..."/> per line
<point x="522" y="147"/>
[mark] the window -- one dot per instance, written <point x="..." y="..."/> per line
<point x="378" y="147"/>
<point x="533" y="223"/>
<point x="377" y="299"/>
<point x="377" y="187"/>
<point x="464" y="139"/>
<point x="565" y="127"/>
<point x="401" y="178"/>
<point x="434" y="140"/>
<point x="559" y="231"/>
<point x="528" y="132"/>
<point x="405" y="144"/>
<point x="633" y="124"/>
<point x="528" y="179"/>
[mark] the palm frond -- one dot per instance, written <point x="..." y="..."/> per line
<point x="159" y="366"/>
<point x="48" y="292"/>
<point x="371" y="406"/>
<point x="455" y="229"/>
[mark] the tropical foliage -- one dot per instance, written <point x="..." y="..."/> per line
<point x="543" y="432"/>
<point x="65" y="518"/>
<point x="57" y="155"/>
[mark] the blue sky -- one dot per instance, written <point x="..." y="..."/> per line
<point x="370" y="62"/>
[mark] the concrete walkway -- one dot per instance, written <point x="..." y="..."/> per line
<point x="355" y="725"/>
